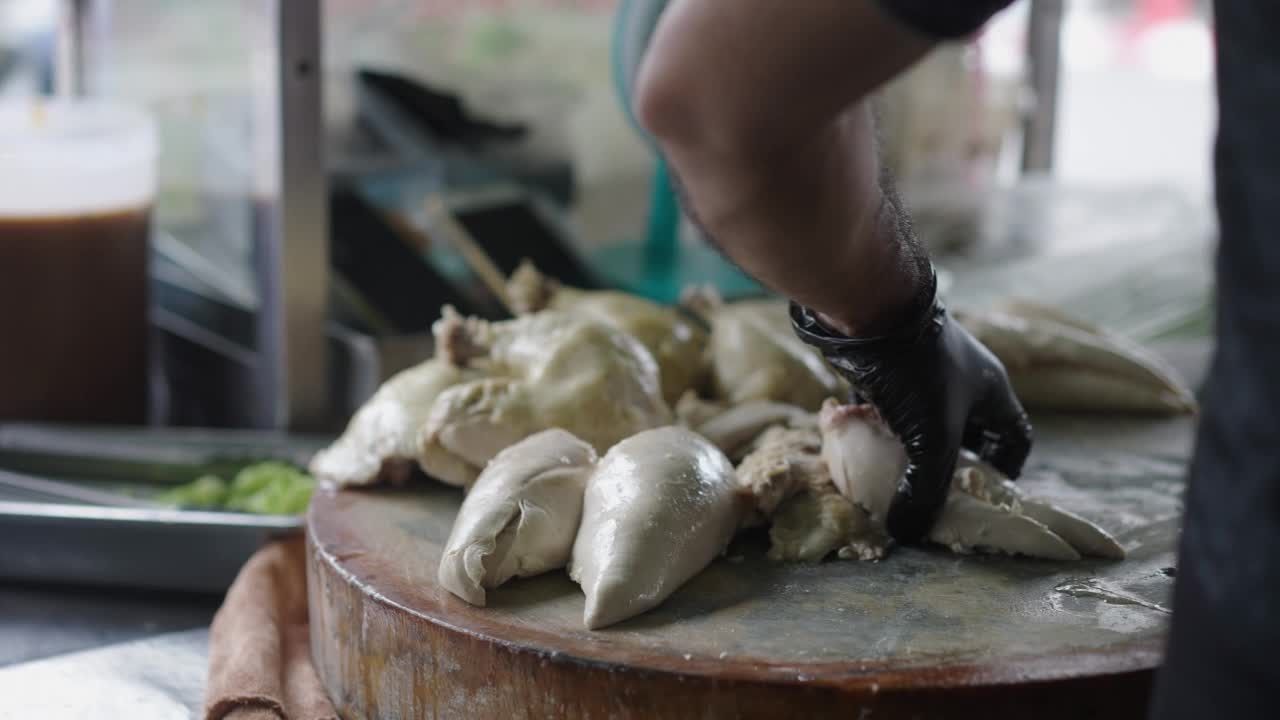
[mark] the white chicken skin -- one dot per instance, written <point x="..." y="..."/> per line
<point x="381" y="441"/>
<point x="735" y="429"/>
<point x="549" y="369"/>
<point x="755" y="355"/>
<point x="520" y="518"/>
<point x="1056" y="362"/>
<point x="659" y="507"/>
<point x="676" y="342"/>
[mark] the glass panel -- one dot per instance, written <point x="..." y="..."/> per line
<point x="189" y="64"/>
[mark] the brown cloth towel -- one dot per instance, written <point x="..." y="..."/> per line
<point x="259" y="644"/>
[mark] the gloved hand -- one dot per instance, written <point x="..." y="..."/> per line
<point x="938" y="389"/>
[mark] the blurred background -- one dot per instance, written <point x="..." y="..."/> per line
<point x="505" y="117"/>
<point x="225" y="222"/>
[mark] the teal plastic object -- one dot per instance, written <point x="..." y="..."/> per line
<point x="664" y="217"/>
<point x="633" y="26"/>
<point x="660" y="268"/>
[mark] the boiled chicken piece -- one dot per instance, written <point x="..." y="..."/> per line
<point x="540" y="371"/>
<point x="520" y="517"/>
<point x="1088" y="539"/>
<point x="865" y="458"/>
<point x="810" y="525"/>
<point x="1059" y="363"/>
<point x="659" y="507"/>
<point x="471" y="423"/>
<point x="755" y="354"/>
<point x="788" y="480"/>
<point x="983" y="511"/>
<point x="381" y="441"/>
<point x="676" y="341"/>
<point x="976" y="478"/>
<point x="693" y="410"/>
<point x="785" y="462"/>
<point x="967" y="524"/>
<point x="1030" y="310"/>
<point x="735" y="429"/>
<point x="970" y="522"/>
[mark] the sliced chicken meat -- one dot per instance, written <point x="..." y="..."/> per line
<point x="784" y="463"/>
<point x="983" y="511"/>
<point x="791" y="486"/>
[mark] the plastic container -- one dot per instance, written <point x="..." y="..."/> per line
<point x="78" y="181"/>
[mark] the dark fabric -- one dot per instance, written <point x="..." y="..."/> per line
<point x="944" y="19"/>
<point x="1225" y="623"/>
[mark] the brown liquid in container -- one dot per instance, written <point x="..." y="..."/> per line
<point x="73" y="317"/>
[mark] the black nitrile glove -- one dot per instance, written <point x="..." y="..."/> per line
<point x="938" y="389"/>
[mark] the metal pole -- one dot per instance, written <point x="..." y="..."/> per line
<point x="69" y="79"/>
<point x="291" y="233"/>
<point x="1040" y="124"/>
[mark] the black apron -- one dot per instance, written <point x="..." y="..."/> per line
<point x="1221" y="659"/>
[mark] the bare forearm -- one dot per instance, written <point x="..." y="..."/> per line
<point x="813" y="224"/>
<point x="774" y="146"/>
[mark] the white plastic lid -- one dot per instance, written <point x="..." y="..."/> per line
<point x="75" y="158"/>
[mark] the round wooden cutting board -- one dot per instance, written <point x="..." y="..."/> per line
<point x="922" y="634"/>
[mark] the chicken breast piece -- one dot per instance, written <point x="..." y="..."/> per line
<point x="676" y="342"/>
<point x="471" y="423"/>
<point x="545" y="370"/>
<point x="382" y="437"/>
<point x="521" y="516"/>
<point x="983" y="511"/>
<point x="659" y="506"/>
<point x="1058" y="363"/>
<point x="737" y="430"/>
<point x="755" y="355"/>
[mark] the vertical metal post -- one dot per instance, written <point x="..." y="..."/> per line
<point x="69" y="67"/>
<point x="291" y="235"/>
<point x="1040" y="125"/>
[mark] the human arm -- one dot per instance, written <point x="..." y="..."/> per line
<point x="761" y="110"/>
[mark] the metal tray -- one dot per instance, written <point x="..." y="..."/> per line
<point x="73" y="505"/>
